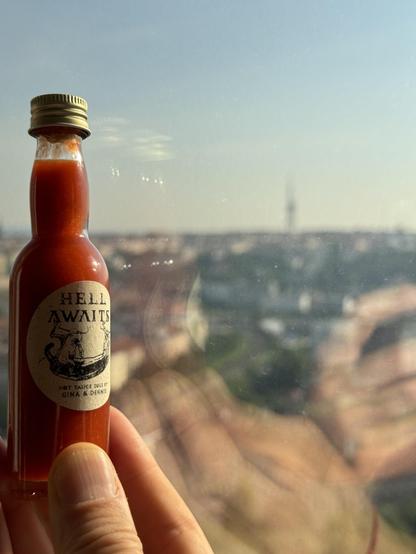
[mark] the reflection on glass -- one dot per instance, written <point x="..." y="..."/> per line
<point x="273" y="377"/>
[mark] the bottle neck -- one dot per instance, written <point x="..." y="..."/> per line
<point x="59" y="203"/>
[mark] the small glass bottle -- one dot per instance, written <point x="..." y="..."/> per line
<point x="59" y="351"/>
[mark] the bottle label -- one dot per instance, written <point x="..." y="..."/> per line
<point x="68" y="346"/>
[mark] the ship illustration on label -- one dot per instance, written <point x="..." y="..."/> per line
<point x="68" y="346"/>
<point x="66" y="354"/>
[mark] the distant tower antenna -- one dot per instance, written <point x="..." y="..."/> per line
<point x="290" y="208"/>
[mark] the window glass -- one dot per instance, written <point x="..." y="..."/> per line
<point x="252" y="172"/>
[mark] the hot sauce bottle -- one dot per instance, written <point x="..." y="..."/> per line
<point x="59" y="351"/>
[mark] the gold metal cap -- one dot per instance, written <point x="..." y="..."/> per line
<point x="59" y="110"/>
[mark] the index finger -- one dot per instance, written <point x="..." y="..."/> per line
<point x="163" y="521"/>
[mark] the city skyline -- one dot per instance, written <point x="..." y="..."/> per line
<point x="199" y="112"/>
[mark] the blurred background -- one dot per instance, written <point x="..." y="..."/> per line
<point x="252" y="172"/>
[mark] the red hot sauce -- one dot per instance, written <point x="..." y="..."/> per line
<point x="59" y="355"/>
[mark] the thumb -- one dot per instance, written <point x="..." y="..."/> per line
<point x="88" y="509"/>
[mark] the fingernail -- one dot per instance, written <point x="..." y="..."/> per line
<point x="83" y="473"/>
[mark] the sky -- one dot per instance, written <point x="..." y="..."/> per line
<point x="203" y="111"/>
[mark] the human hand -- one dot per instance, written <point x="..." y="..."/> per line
<point x="88" y="510"/>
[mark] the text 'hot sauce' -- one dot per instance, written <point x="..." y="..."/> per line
<point x="59" y="361"/>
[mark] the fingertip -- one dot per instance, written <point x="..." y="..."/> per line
<point x="82" y="472"/>
<point x="116" y="415"/>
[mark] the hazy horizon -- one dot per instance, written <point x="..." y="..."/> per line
<point x="25" y="231"/>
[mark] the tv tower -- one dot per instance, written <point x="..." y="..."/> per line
<point x="290" y="208"/>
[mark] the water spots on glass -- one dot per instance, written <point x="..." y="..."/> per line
<point x="115" y="171"/>
<point x="164" y="262"/>
<point x="153" y="180"/>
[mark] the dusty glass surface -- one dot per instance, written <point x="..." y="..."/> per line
<point x="252" y="172"/>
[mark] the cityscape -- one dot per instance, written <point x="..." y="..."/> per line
<point x="292" y="353"/>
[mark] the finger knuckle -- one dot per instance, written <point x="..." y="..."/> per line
<point x="101" y="531"/>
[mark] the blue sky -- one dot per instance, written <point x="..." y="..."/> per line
<point x="202" y="111"/>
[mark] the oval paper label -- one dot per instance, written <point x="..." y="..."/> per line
<point x="68" y="346"/>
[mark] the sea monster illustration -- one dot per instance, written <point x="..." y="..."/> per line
<point x="66" y="354"/>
